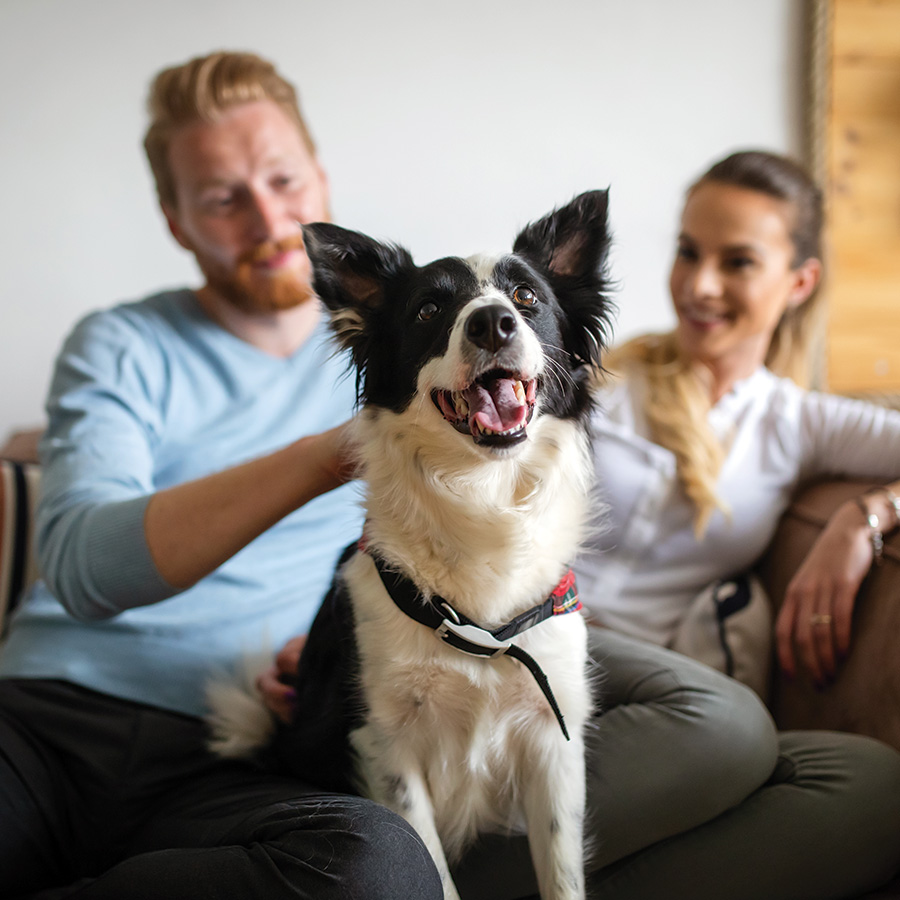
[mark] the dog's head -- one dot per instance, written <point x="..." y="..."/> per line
<point x="489" y="343"/>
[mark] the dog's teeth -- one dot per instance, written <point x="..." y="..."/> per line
<point x="484" y="430"/>
<point x="462" y="406"/>
<point x="520" y="392"/>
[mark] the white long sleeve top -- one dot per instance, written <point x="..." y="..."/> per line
<point x="640" y="572"/>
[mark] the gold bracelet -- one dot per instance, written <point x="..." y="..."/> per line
<point x="875" y="534"/>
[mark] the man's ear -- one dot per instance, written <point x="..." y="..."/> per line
<point x="326" y="188"/>
<point x="174" y="227"/>
<point x="806" y="278"/>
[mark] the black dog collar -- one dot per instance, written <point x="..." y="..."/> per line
<point x="463" y="634"/>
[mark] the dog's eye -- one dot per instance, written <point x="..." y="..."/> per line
<point x="524" y="296"/>
<point x="428" y="310"/>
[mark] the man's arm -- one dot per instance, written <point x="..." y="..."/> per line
<point x="192" y="528"/>
<point x="124" y="437"/>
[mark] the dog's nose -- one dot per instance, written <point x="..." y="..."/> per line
<point x="491" y="327"/>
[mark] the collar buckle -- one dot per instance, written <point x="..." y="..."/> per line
<point x="470" y="639"/>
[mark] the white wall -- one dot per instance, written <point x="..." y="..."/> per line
<point x="444" y="126"/>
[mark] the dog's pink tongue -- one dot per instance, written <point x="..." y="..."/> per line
<point x="494" y="405"/>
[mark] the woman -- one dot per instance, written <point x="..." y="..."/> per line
<point x="691" y="794"/>
<point x="701" y="446"/>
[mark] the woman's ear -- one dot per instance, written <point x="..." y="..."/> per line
<point x="806" y="278"/>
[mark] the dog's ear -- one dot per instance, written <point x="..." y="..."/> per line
<point x="571" y="246"/>
<point x="573" y="241"/>
<point x="351" y="275"/>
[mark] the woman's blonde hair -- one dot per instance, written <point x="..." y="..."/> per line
<point x="677" y="399"/>
<point x="201" y="90"/>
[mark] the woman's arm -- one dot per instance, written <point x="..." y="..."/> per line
<point x="814" y="625"/>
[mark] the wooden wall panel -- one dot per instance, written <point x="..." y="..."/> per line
<point x="863" y="161"/>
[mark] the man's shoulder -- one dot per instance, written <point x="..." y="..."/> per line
<point x="151" y="311"/>
<point x="152" y="320"/>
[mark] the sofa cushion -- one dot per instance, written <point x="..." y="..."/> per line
<point x="866" y="692"/>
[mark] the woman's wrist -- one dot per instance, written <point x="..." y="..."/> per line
<point x="880" y="509"/>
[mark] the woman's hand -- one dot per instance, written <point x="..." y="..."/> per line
<point x="815" y="620"/>
<point x="274" y="684"/>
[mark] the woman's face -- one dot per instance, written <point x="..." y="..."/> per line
<point x="732" y="278"/>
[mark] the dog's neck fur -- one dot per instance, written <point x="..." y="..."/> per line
<point x="515" y="522"/>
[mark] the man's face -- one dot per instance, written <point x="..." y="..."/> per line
<point x="244" y="185"/>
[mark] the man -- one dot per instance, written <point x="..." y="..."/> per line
<point x="187" y="517"/>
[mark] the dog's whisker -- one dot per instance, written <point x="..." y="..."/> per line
<point x="557" y="371"/>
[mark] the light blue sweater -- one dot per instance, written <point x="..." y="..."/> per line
<point x="145" y="396"/>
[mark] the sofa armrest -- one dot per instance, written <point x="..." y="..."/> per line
<point x="22" y="446"/>
<point x="865" y="696"/>
<point x="19" y="486"/>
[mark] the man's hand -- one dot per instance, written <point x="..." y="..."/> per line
<point x="277" y="693"/>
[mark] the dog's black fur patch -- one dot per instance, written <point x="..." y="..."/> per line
<point x="328" y="707"/>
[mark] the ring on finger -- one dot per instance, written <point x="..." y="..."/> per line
<point x="820" y="619"/>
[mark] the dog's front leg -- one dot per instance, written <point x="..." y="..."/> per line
<point x="554" y="798"/>
<point x="399" y="785"/>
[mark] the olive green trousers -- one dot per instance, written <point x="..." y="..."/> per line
<point x="693" y="794"/>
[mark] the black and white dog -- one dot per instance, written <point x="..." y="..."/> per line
<point x="446" y="674"/>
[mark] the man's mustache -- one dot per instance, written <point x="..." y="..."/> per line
<point x="267" y="249"/>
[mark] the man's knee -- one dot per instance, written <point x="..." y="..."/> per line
<point x="358" y="847"/>
<point x="391" y="860"/>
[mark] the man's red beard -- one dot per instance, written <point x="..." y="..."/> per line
<point x="254" y="289"/>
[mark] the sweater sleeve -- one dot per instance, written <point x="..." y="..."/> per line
<point x="105" y="411"/>
<point x="843" y="437"/>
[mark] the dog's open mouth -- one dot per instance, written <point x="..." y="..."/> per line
<point x="495" y="408"/>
